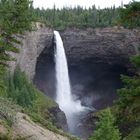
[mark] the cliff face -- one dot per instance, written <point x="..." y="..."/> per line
<point x="32" y="45"/>
<point x="109" y="45"/>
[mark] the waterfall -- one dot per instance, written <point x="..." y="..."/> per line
<point x="63" y="88"/>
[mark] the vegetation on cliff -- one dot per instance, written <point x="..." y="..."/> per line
<point x="22" y="96"/>
<point x="20" y="91"/>
<point x="14" y="20"/>
<point x="128" y="104"/>
<point x="105" y="127"/>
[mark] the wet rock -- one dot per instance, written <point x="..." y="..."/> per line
<point x="89" y="124"/>
<point x="59" y="118"/>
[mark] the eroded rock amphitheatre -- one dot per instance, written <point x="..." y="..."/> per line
<point x="111" y="45"/>
<point x="96" y="58"/>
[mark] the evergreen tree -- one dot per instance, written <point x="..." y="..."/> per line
<point x="128" y="103"/>
<point x="14" y="19"/>
<point x="106" y="129"/>
<point x="130" y="15"/>
<point x="77" y="17"/>
<point x="20" y="89"/>
<point x="129" y="96"/>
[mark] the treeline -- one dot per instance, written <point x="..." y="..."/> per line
<point x="91" y="17"/>
<point x="130" y="15"/>
<point x="77" y="17"/>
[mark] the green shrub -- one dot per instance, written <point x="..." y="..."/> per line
<point x="8" y="110"/>
<point x="20" y="89"/>
<point x="106" y="129"/>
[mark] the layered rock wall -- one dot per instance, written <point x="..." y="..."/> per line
<point x="109" y="45"/>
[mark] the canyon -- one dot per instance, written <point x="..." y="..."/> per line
<point x="96" y="58"/>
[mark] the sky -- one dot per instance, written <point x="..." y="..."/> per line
<point x="85" y="3"/>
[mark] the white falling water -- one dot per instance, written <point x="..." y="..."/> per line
<point x="63" y="89"/>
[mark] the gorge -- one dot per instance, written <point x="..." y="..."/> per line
<point x="96" y="58"/>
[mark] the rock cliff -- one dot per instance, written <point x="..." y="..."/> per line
<point x="32" y="45"/>
<point x="109" y="45"/>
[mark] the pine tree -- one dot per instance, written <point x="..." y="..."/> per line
<point x="129" y="96"/>
<point x="130" y="15"/>
<point x="22" y="15"/>
<point x="8" y="29"/>
<point x="106" y="129"/>
<point x="14" y="19"/>
<point x="77" y="17"/>
<point x="20" y="89"/>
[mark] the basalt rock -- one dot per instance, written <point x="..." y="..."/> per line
<point x="99" y="46"/>
<point x="108" y="45"/>
<point x="59" y="118"/>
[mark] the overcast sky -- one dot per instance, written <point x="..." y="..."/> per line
<point x="85" y="3"/>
